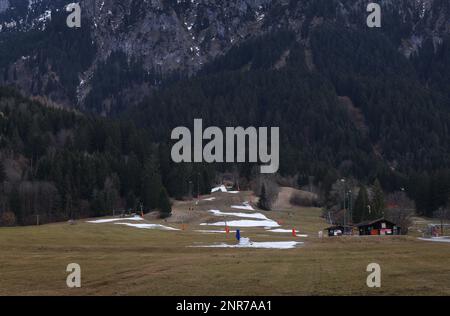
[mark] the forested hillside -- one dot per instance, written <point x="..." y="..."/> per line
<point x="61" y="164"/>
<point x="401" y="126"/>
<point x="351" y="102"/>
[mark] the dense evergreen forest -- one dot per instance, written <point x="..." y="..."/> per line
<point x="367" y="111"/>
<point x="61" y="164"/>
<point x="348" y="104"/>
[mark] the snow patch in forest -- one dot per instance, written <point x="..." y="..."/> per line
<point x="222" y="188"/>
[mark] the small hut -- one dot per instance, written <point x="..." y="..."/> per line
<point x="339" y="230"/>
<point x="378" y="227"/>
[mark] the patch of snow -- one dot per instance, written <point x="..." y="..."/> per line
<point x="222" y="188"/>
<point x="436" y="239"/>
<point x="214" y="231"/>
<point x="244" y="223"/>
<point x="261" y="245"/>
<point x="245" y="206"/>
<point x="111" y="220"/>
<point x="233" y="192"/>
<point x="209" y="199"/>
<point x="148" y="226"/>
<point x="280" y="230"/>
<point x="244" y="215"/>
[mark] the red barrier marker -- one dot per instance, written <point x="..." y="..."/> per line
<point x="294" y="233"/>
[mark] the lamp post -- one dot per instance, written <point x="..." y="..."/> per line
<point x="345" y="209"/>
<point x="350" y="205"/>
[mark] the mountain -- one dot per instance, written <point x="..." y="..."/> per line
<point x="174" y="37"/>
<point x="350" y="101"/>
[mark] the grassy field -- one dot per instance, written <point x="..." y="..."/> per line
<point x="119" y="260"/>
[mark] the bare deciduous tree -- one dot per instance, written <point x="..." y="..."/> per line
<point x="400" y="210"/>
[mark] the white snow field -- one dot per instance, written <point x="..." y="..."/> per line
<point x="245" y="223"/>
<point x="261" y="245"/>
<point x="436" y="239"/>
<point x="209" y="199"/>
<point x="244" y="215"/>
<point x="148" y="226"/>
<point x="245" y="206"/>
<point x="110" y="220"/>
<point x="222" y="188"/>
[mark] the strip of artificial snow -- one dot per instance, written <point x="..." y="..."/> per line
<point x="110" y="220"/>
<point x="148" y="226"/>
<point x="244" y="223"/>
<point x="435" y="239"/>
<point x="222" y="188"/>
<point x="262" y="245"/>
<point x="279" y="230"/>
<point x="244" y="206"/>
<point x="214" y="231"/>
<point x="244" y="215"/>
<point x="209" y="199"/>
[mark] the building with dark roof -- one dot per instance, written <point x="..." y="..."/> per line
<point x="378" y="227"/>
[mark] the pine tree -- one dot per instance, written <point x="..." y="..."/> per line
<point x="151" y="186"/>
<point x="2" y="173"/>
<point x="164" y="204"/>
<point x="361" y="210"/>
<point x="263" y="200"/>
<point x="378" y="203"/>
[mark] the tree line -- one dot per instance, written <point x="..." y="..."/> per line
<point x="59" y="165"/>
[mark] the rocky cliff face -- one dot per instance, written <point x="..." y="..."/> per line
<point x="168" y="36"/>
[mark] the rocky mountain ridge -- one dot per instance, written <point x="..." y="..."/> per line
<point x="167" y="36"/>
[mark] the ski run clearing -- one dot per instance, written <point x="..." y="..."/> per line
<point x="249" y="219"/>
